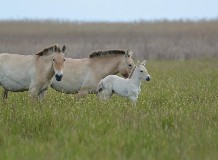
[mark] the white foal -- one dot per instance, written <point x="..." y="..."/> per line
<point x="129" y="87"/>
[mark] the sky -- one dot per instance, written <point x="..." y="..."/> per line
<point x="108" y="10"/>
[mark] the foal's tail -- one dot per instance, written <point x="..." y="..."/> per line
<point x="100" y="86"/>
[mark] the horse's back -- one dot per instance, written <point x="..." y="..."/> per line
<point x="15" y="62"/>
<point x="117" y="84"/>
<point x="75" y="71"/>
<point x="14" y="58"/>
<point x="4" y="57"/>
<point x="113" y="81"/>
<point x="113" y="78"/>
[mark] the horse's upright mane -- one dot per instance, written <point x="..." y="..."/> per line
<point x="105" y="53"/>
<point x="54" y="48"/>
<point x="130" y="75"/>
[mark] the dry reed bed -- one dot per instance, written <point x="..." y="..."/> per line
<point x="151" y="40"/>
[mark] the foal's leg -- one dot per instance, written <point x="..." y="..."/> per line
<point x="105" y="94"/>
<point x="5" y="94"/>
<point x="133" y="100"/>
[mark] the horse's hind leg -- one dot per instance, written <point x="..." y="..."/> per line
<point x="5" y="94"/>
<point x="133" y="100"/>
<point x="105" y="94"/>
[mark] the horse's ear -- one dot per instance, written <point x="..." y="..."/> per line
<point x="64" y="48"/>
<point x="55" y="48"/>
<point x="138" y="63"/>
<point x="129" y="53"/>
<point x="39" y="53"/>
<point x="143" y="63"/>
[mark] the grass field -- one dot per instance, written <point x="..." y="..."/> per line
<point x="176" y="117"/>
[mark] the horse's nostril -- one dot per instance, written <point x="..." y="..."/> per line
<point x="58" y="77"/>
<point x="148" y="78"/>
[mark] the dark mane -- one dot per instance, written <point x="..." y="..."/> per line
<point x="105" y="53"/>
<point x="54" y="48"/>
<point x="130" y="75"/>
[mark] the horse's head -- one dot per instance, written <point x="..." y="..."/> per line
<point x="142" y="71"/>
<point x="58" y="63"/>
<point x="126" y="64"/>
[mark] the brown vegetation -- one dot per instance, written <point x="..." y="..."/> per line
<point x="150" y="40"/>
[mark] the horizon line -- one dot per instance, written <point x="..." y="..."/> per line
<point x="106" y="21"/>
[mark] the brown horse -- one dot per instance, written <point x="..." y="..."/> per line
<point x="83" y="75"/>
<point x="31" y="72"/>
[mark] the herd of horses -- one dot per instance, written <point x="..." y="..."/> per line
<point x="95" y="74"/>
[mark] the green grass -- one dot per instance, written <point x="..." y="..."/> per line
<point x="176" y="117"/>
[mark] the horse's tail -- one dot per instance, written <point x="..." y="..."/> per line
<point x="100" y="86"/>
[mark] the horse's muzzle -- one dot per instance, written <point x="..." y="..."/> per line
<point x="58" y="77"/>
<point x="126" y="76"/>
<point x="147" y="78"/>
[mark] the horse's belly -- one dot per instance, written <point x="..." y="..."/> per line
<point x="122" y="92"/>
<point x="74" y="83"/>
<point x="125" y="89"/>
<point x="65" y="88"/>
<point x="12" y="85"/>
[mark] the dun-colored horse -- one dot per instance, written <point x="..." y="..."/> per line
<point x="129" y="87"/>
<point x="83" y="75"/>
<point x="31" y="72"/>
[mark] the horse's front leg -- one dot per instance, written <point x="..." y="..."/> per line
<point x="83" y="93"/>
<point x="41" y="94"/>
<point x="5" y="94"/>
<point x="33" y="92"/>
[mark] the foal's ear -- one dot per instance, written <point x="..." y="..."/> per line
<point x="138" y="63"/>
<point x="129" y="53"/>
<point x="64" y="48"/>
<point x="143" y="63"/>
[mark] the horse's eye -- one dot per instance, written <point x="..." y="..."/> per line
<point x="141" y="71"/>
<point x="53" y="59"/>
<point x="64" y="59"/>
<point x="130" y="65"/>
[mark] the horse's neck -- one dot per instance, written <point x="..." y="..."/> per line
<point x="106" y="66"/>
<point x="44" y="66"/>
<point x="135" y="78"/>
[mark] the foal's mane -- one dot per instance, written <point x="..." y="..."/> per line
<point x="105" y="53"/>
<point x="54" y="48"/>
<point x="132" y="72"/>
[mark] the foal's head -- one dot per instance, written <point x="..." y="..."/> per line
<point x="142" y="71"/>
<point x="58" y="62"/>
<point x="126" y="65"/>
